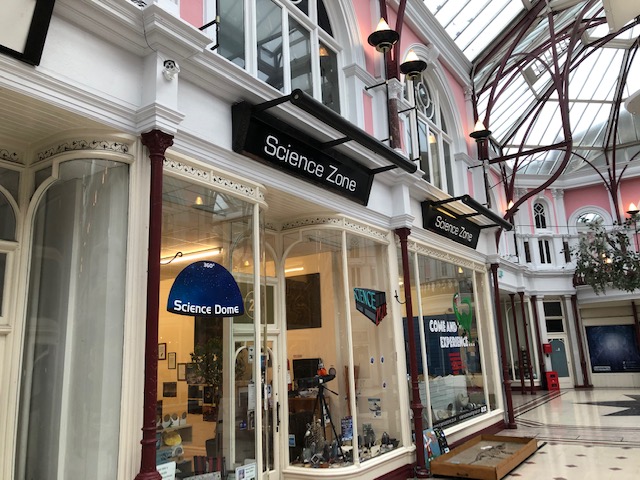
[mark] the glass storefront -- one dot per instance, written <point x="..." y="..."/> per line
<point x="451" y="352"/>
<point x="343" y="394"/>
<point x="209" y="368"/>
<point x="69" y="418"/>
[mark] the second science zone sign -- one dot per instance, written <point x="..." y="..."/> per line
<point x="279" y="145"/>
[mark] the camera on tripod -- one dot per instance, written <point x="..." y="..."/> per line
<point x="315" y="381"/>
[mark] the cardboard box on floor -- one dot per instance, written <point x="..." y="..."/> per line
<point x="485" y="457"/>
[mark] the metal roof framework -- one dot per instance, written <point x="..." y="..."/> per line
<point x="550" y="86"/>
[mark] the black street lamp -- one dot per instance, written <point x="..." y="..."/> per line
<point x="481" y="135"/>
<point x="633" y="217"/>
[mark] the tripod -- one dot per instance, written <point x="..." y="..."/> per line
<point x="321" y="403"/>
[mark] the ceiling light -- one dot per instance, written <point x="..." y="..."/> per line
<point x="293" y="269"/>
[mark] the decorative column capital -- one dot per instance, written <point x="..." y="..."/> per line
<point x="157" y="141"/>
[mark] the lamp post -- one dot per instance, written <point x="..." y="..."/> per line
<point x="383" y="39"/>
<point x="481" y="135"/>
<point x="633" y="217"/>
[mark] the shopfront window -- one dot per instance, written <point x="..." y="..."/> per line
<point x="7" y="232"/>
<point x="453" y="384"/>
<point x="339" y="412"/>
<point x="376" y="383"/>
<point x="70" y="395"/>
<point x="208" y="384"/>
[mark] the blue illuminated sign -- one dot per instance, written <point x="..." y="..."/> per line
<point x="205" y="289"/>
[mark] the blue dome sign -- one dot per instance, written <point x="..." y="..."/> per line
<point x="205" y="289"/>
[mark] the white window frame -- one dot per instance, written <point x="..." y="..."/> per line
<point x="316" y="35"/>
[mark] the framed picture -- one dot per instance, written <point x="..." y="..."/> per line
<point x="182" y="372"/>
<point x="172" y="361"/>
<point x="169" y="389"/>
<point x="162" y="351"/>
<point x="303" y="301"/>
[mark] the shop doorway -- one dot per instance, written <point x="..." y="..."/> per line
<point x="244" y="413"/>
<point x="561" y="360"/>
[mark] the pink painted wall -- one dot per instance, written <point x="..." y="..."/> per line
<point x="593" y="195"/>
<point x="366" y="25"/>
<point x="367" y="105"/>
<point x="192" y="11"/>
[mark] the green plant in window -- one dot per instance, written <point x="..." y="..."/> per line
<point x="604" y="259"/>
<point x="207" y="358"/>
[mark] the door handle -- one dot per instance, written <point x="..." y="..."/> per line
<point x="277" y="416"/>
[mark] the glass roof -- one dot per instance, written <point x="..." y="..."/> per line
<point x="555" y="81"/>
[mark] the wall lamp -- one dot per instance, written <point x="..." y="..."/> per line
<point x="633" y="217"/>
<point x="412" y="67"/>
<point x="383" y="39"/>
<point x="481" y="135"/>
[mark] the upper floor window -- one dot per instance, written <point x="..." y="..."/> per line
<point x="293" y="44"/>
<point x="540" y="215"/>
<point x="545" y="251"/>
<point x="435" y="151"/>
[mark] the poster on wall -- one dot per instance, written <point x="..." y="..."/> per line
<point x="613" y="349"/>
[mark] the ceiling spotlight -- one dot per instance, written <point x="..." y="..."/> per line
<point x="383" y="39"/>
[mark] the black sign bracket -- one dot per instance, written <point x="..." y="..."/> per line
<point x="336" y="121"/>
<point x="480" y="210"/>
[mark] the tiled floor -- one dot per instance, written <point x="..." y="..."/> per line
<point x="581" y="434"/>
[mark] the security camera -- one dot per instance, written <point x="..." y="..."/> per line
<point x="171" y="69"/>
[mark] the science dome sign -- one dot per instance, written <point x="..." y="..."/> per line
<point x="205" y="289"/>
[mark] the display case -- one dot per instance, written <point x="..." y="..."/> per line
<point x="485" y="457"/>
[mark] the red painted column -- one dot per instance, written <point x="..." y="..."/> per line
<point x="416" y="405"/>
<point x="506" y="382"/>
<point x="526" y="341"/>
<point x="157" y="143"/>
<point x="515" y="327"/>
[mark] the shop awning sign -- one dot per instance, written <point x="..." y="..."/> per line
<point x="205" y="289"/>
<point x="371" y="303"/>
<point x="269" y="140"/>
<point x="459" y="230"/>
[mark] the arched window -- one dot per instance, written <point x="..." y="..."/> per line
<point x="588" y="219"/>
<point x="540" y="215"/>
<point x="289" y="47"/>
<point x="434" y="137"/>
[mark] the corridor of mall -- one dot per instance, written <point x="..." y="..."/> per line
<point x="582" y="434"/>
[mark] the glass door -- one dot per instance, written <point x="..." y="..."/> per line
<point x="560" y="361"/>
<point x="244" y="410"/>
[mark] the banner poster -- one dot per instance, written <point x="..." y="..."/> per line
<point x="446" y="344"/>
<point x="613" y="349"/>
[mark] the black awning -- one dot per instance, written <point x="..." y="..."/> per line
<point x="350" y="131"/>
<point x="479" y="210"/>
